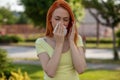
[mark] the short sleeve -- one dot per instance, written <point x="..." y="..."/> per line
<point x="80" y="41"/>
<point x="38" y="46"/>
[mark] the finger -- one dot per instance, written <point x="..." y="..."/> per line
<point x="55" y="29"/>
<point x="70" y="32"/>
<point x="73" y="27"/>
<point x="61" y="28"/>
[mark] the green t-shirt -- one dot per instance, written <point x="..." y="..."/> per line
<point x="65" y="69"/>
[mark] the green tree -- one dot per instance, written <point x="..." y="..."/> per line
<point x="23" y="19"/>
<point x="108" y="14"/>
<point x="6" y="16"/>
<point x="37" y="10"/>
<point x="78" y="9"/>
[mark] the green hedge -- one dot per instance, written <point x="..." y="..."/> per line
<point x="101" y="41"/>
<point x="30" y="40"/>
<point x="10" y="39"/>
<point x="4" y="61"/>
<point x="118" y="35"/>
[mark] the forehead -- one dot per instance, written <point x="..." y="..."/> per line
<point x="60" y="12"/>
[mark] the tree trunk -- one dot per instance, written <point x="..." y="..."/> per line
<point x="116" y="56"/>
<point x="98" y="39"/>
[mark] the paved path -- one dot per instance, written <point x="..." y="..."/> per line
<point x="29" y="52"/>
<point x="20" y="52"/>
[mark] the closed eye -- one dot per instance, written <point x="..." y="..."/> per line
<point x="57" y="19"/>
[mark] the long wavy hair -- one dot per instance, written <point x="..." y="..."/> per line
<point x="65" y="5"/>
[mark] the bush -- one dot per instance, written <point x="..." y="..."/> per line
<point x="16" y="39"/>
<point x="101" y="41"/>
<point x="30" y="40"/>
<point x="118" y="34"/>
<point x="119" y="42"/>
<point x="10" y="39"/>
<point x="4" y="61"/>
<point x="15" y="75"/>
<point x="7" y="71"/>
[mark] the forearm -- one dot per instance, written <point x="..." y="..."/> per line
<point x="78" y="58"/>
<point x="54" y="60"/>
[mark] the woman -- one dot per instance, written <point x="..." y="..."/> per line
<point x="61" y="55"/>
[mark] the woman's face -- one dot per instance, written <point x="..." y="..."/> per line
<point x="60" y="15"/>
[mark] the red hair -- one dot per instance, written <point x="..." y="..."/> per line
<point x="57" y="4"/>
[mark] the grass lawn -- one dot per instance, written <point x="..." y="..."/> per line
<point x="106" y="61"/>
<point x="100" y="75"/>
<point x="36" y="73"/>
<point x="101" y="45"/>
<point x="23" y="44"/>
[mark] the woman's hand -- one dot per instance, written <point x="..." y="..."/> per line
<point x="72" y="34"/>
<point x="59" y="33"/>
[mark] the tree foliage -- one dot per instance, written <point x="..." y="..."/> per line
<point x="77" y="8"/>
<point x="37" y="10"/>
<point x="6" y="16"/>
<point x="107" y="13"/>
<point x="23" y="19"/>
<point x="109" y="10"/>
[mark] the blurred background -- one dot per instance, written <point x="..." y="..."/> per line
<point x="23" y="21"/>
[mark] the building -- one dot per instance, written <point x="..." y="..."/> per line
<point x="88" y="27"/>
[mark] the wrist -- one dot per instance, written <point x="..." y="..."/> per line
<point x="59" y="47"/>
<point x="59" y="44"/>
<point x="72" y="43"/>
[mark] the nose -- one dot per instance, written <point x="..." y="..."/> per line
<point x="63" y="22"/>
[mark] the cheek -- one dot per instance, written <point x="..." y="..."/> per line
<point x="53" y="22"/>
<point x="66" y="24"/>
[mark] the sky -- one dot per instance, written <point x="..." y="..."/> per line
<point x="12" y="5"/>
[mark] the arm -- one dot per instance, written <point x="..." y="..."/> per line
<point x="78" y="57"/>
<point x="50" y="64"/>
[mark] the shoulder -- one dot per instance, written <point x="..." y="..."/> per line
<point x="40" y="45"/>
<point x="79" y="37"/>
<point x="79" y="41"/>
<point x="39" y="40"/>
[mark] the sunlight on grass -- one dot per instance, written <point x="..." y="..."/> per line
<point x="23" y="44"/>
<point x="100" y="75"/>
<point x="32" y="35"/>
<point x="36" y="73"/>
<point x="101" y="45"/>
<point x="106" y="61"/>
